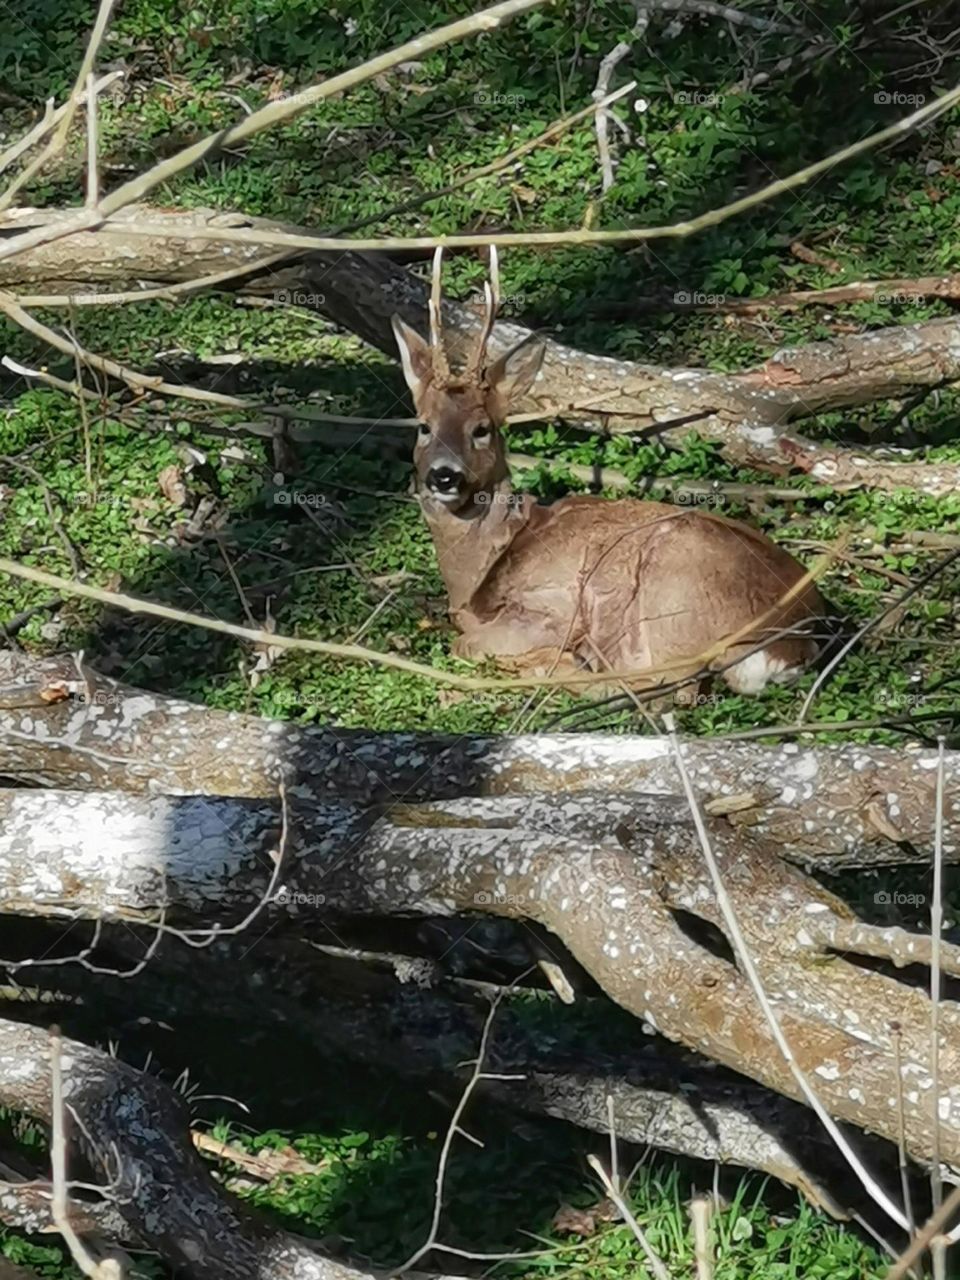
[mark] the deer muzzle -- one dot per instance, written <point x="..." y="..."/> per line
<point x="446" y="483"/>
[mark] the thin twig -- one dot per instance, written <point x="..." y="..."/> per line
<point x="902" y="1161"/>
<point x="93" y="177"/>
<point x="748" y="966"/>
<point x="56" y="144"/>
<point x="931" y="1228"/>
<point x="284" y="109"/>
<point x="824" y="675"/>
<point x="453" y="1129"/>
<point x="656" y="1265"/>
<point x="648" y="676"/>
<point x="106" y="1268"/>
<point x="701" y="1213"/>
<point x="580" y="235"/>
<point x="938" y="1251"/>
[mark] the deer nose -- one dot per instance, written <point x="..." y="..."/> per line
<point x="444" y="479"/>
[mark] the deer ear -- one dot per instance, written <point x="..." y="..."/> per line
<point x="514" y="373"/>
<point x="415" y="357"/>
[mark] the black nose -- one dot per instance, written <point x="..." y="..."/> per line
<point x="444" y="479"/>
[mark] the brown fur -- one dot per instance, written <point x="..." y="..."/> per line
<point x="623" y="585"/>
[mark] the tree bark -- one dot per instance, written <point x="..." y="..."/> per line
<point x="747" y="411"/>
<point x="133" y="1131"/>
<point x="352" y="1012"/>
<point x="836" y="806"/>
<point x="620" y="890"/>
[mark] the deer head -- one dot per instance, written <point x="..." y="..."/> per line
<point x="459" y="455"/>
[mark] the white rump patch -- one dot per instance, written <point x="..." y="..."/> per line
<point x="753" y="673"/>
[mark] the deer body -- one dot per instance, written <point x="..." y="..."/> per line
<point x="587" y="583"/>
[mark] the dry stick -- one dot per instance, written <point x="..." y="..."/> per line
<point x="162" y="293"/>
<point x="931" y="1228"/>
<point x="607" y="67"/>
<point x="272" y="114"/>
<point x="701" y="1212"/>
<point x="611" y="478"/>
<point x="824" y="675"/>
<point x="93" y="180"/>
<point x="453" y="1129"/>
<point x="749" y="969"/>
<point x="678" y="230"/>
<point x="83" y="82"/>
<point x="895" y="290"/>
<point x="12" y="307"/>
<point x="938" y="1250"/>
<point x="143" y="382"/>
<point x="656" y="1265"/>
<point x="275" y="113"/>
<point x="133" y="604"/>
<point x="140" y="381"/>
<point x="835" y="726"/>
<point x="58" y="384"/>
<point x="713" y="9"/>
<point x="50" y="119"/>
<point x="487" y="170"/>
<point x="902" y="1132"/>
<point x="107" y="1268"/>
<point x="168" y="292"/>
<point x="614" y="1157"/>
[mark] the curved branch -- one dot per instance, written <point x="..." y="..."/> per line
<point x="836" y="805"/>
<point x="134" y="1132"/>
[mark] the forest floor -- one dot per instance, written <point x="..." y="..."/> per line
<point x="170" y="511"/>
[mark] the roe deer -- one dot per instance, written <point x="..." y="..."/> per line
<point x="585" y="583"/>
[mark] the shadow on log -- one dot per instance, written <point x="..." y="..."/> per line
<point x="618" y="878"/>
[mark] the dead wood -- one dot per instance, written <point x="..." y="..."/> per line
<point x="834" y="805"/>
<point x="134" y="1133"/>
<point x="619" y="889"/>
<point x="341" y="1011"/>
<point x="748" y="412"/>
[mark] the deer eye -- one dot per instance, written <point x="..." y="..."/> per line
<point x="481" y="435"/>
<point x="424" y="430"/>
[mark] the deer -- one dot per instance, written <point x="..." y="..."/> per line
<point x="586" y="584"/>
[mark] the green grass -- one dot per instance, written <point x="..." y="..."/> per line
<point x="891" y="214"/>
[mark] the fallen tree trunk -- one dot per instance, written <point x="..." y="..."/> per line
<point x="836" y="806"/>
<point x="747" y="411"/>
<point x="350" y="1012"/>
<point x="133" y="1132"/>
<point x="620" y="890"/>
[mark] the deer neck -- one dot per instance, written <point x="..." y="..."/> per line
<point x="470" y="542"/>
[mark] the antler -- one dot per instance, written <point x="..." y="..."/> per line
<point x="441" y="369"/>
<point x="491" y="293"/>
